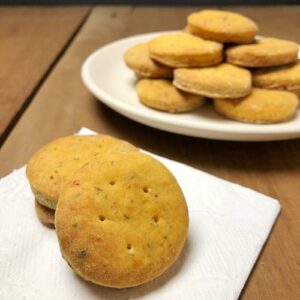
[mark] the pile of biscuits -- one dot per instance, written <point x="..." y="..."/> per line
<point x="120" y="216"/>
<point x="218" y="56"/>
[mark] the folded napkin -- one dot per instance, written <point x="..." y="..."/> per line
<point x="228" y="226"/>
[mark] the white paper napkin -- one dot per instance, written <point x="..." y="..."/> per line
<point x="228" y="226"/>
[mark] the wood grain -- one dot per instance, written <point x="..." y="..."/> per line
<point x="30" y="41"/>
<point x="272" y="168"/>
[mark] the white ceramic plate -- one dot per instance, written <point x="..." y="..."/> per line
<point x="107" y="77"/>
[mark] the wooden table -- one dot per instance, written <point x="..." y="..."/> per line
<point x="42" y="97"/>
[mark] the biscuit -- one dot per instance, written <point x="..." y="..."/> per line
<point x="162" y="95"/>
<point x="186" y="30"/>
<point x="222" y="26"/>
<point x="45" y="214"/>
<point x="284" y="78"/>
<point x="138" y="59"/>
<point x="121" y="221"/>
<point x="261" y="106"/>
<point x="50" y="166"/>
<point x="185" y="50"/>
<point x="296" y="91"/>
<point x="223" y="80"/>
<point x="266" y="52"/>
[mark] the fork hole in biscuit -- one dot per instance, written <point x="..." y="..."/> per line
<point x="129" y="246"/>
<point x="146" y="189"/>
<point x="112" y="182"/>
<point x="126" y="217"/>
<point x="101" y="218"/>
<point x="51" y="177"/>
<point x="155" y="219"/>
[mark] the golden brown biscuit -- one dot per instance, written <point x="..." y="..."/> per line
<point x="284" y="78"/>
<point x="266" y="52"/>
<point x="223" y="80"/>
<point x="121" y="221"/>
<point x="222" y="26"/>
<point x="50" y="166"/>
<point x="185" y="50"/>
<point x="45" y="214"/>
<point x="186" y="30"/>
<point x="138" y="59"/>
<point x="162" y="95"/>
<point x="296" y="91"/>
<point x="261" y="106"/>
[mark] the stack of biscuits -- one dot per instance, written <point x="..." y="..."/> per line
<point x="120" y="216"/>
<point x="218" y="56"/>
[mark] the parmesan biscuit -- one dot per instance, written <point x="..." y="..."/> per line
<point x="296" y="91"/>
<point x="50" y="166"/>
<point x="121" y="221"/>
<point x="162" y="95"/>
<point x="138" y="59"/>
<point x="186" y="30"/>
<point x="261" y="106"/>
<point x="222" y="26"/>
<point x="45" y="214"/>
<point x="266" y="52"/>
<point x="283" y="78"/>
<point x="185" y="50"/>
<point x="223" y="80"/>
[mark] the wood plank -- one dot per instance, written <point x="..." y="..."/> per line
<point x="272" y="168"/>
<point x="31" y="38"/>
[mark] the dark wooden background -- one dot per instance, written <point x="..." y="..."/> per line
<point x="149" y="2"/>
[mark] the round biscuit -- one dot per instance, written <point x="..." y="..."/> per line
<point x="45" y="214"/>
<point x="49" y="168"/>
<point x="266" y="52"/>
<point x="261" y="106"/>
<point x="284" y="77"/>
<point x="121" y="221"/>
<point x="163" y="95"/>
<point x="222" y="26"/>
<point x="224" y="80"/>
<point x="185" y="50"/>
<point x="138" y="59"/>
